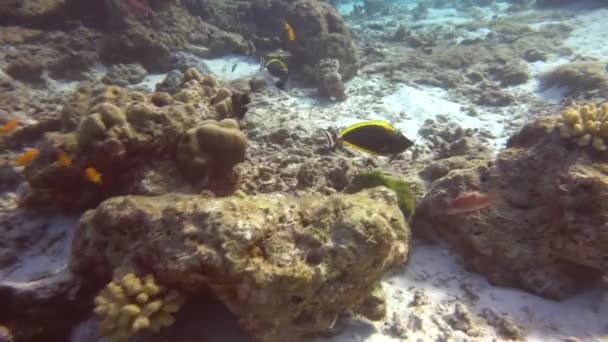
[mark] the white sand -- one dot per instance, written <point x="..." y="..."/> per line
<point x="436" y="272"/>
<point x="48" y="257"/>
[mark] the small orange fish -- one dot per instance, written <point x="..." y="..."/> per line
<point x="469" y="201"/>
<point x="290" y="34"/>
<point x="27" y="157"/>
<point x="92" y="175"/>
<point x="64" y="159"/>
<point x="9" y="126"/>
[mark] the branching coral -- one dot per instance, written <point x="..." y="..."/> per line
<point x="587" y="123"/>
<point x="133" y="304"/>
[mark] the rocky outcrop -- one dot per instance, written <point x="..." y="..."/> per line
<point x="581" y="80"/>
<point x="39" y="294"/>
<point x="545" y="231"/>
<point x="285" y="267"/>
<point x="151" y="37"/>
<point x="41" y="12"/>
<point x="56" y="53"/>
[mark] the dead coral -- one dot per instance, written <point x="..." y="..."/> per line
<point x="581" y="79"/>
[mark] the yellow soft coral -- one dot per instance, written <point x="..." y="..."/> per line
<point x="587" y="124"/>
<point x="132" y="304"/>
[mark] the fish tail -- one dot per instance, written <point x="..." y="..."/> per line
<point x="262" y="63"/>
<point x="331" y="137"/>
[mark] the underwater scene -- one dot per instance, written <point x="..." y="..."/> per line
<point x="303" y="170"/>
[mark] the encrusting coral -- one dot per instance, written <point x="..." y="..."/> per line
<point x="133" y="304"/>
<point x="587" y="123"/>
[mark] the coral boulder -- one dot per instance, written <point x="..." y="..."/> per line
<point x="286" y="267"/>
<point x="545" y="232"/>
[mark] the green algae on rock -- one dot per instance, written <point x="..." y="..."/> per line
<point x="286" y="267"/>
<point x="370" y="179"/>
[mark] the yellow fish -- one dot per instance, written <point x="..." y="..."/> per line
<point x="290" y="34"/>
<point x="92" y="175"/>
<point x="374" y="137"/>
<point x="27" y="157"/>
<point x="64" y="159"/>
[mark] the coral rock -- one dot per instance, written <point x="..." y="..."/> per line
<point x="285" y="266"/>
<point x="546" y="233"/>
<point x="125" y="74"/>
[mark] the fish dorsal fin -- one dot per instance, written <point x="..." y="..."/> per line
<point x="380" y="123"/>
<point x="273" y="60"/>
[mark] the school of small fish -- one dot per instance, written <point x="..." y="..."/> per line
<point x="63" y="158"/>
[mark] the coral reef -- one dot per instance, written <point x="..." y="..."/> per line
<point x="366" y="180"/>
<point x="60" y="54"/>
<point x="587" y="124"/>
<point x="152" y="42"/>
<point x="133" y="304"/>
<point x="118" y="131"/>
<point x="124" y="74"/>
<point x="545" y="233"/>
<point x="287" y="267"/>
<point x="320" y="33"/>
<point x="209" y="152"/>
<point x="329" y="80"/>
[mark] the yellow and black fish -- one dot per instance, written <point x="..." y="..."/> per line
<point x="276" y="68"/>
<point x="374" y="137"/>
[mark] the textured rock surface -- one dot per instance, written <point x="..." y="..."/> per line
<point x="329" y="80"/>
<point x="546" y="234"/>
<point x="580" y="79"/>
<point x="30" y="11"/>
<point x="61" y="54"/>
<point x="125" y="74"/>
<point x="152" y="42"/>
<point x="35" y="284"/>
<point x="286" y="267"/>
